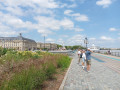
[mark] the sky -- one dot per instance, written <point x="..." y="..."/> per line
<point x="65" y="22"/>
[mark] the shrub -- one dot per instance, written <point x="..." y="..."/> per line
<point x="49" y="69"/>
<point x="3" y="51"/>
<point x="63" y="62"/>
<point x="38" y="52"/>
<point x="35" y="56"/>
<point x="27" y="54"/>
<point x="26" y="80"/>
<point x="35" y="73"/>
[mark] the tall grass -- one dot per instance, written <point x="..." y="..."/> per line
<point x="26" y="80"/>
<point x="49" y="69"/>
<point x="19" y="56"/>
<point x="63" y="62"/>
<point x="36" y="68"/>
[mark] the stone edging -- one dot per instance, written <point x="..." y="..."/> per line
<point x="64" y="80"/>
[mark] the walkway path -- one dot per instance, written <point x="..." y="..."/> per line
<point x="103" y="75"/>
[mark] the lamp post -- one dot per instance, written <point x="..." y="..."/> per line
<point x="86" y="42"/>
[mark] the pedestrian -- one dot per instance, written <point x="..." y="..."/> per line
<point x="79" y="55"/>
<point x="79" y="52"/>
<point x="83" y="59"/>
<point x="88" y="59"/>
<point x="109" y="52"/>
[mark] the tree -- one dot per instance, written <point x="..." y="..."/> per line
<point x="74" y="47"/>
<point x="58" y="46"/>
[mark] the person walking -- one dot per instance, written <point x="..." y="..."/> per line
<point x="79" y="52"/>
<point x="88" y="59"/>
<point x="83" y="59"/>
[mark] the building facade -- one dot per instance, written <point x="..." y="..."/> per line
<point x="94" y="48"/>
<point x="49" y="46"/>
<point x="18" y="43"/>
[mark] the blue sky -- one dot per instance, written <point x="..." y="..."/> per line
<point x="63" y="21"/>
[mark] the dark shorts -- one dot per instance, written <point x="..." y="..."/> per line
<point x="88" y="62"/>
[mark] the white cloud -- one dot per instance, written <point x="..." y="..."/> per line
<point x="106" y="38"/>
<point x="20" y="7"/>
<point x="11" y="25"/>
<point x="44" y="32"/>
<point x="50" y="40"/>
<point x="60" y="41"/>
<point x="66" y="5"/>
<point x="104" y="3"/>
<point x="31" y="3"/>
<point x="77" y="16"/>
<point x="67" y="12"/>
<point x="8" y="33"/>
<point x="80" y="17"/>
<point x="52" y="24"/>
<point x="75" y="40"/>
<point x="15" y="22"/>
<point x="112" y="29"/>
<point x="38" y="15"/>
<point x="15" y="11"/>
<point x="45" y="25"/>
<point x="47" y="22"/>
<point x="67" y="24"/>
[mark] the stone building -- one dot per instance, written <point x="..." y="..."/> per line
<point x="49" y="46"/>
<point x="18" y="43"/>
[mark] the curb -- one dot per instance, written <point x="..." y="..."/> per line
<point x="64" y="80"/>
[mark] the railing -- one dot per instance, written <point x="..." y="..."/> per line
<point x="109" y="53"/>
<point x="68" y="52"/>
<point x="115" y="54"/>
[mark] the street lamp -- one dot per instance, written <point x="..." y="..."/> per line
<point x="86" y="42"/>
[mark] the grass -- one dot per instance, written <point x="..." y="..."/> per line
<point x="26" y="80"/>
<point x="63" y="62"/>
<point x="49" y="69"/>
<point x="17" y="56"/>
<point x="36" y="68"/>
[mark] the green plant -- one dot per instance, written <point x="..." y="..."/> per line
<point x="33" y="73"/>
<point x="38" y="52"/>
<point x="49" y="69"/>
<point x="26" y="80"/>
<point x="63" y="62"/>
<point x="3" y="51"/>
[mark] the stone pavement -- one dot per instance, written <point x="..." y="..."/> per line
<point x="100" y="77"/>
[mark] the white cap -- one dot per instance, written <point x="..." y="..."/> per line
<point x="88" y="48"/>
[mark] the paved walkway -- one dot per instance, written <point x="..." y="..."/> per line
<point x="101" y="76"/>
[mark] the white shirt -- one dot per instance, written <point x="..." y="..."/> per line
<point x="83" y="55"/>
<point x="79" y="52"/>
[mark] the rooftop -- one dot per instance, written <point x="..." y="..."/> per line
<point x="20" y="37"/>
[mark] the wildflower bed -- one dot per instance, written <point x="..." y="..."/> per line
<point x="26" y="70"/>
